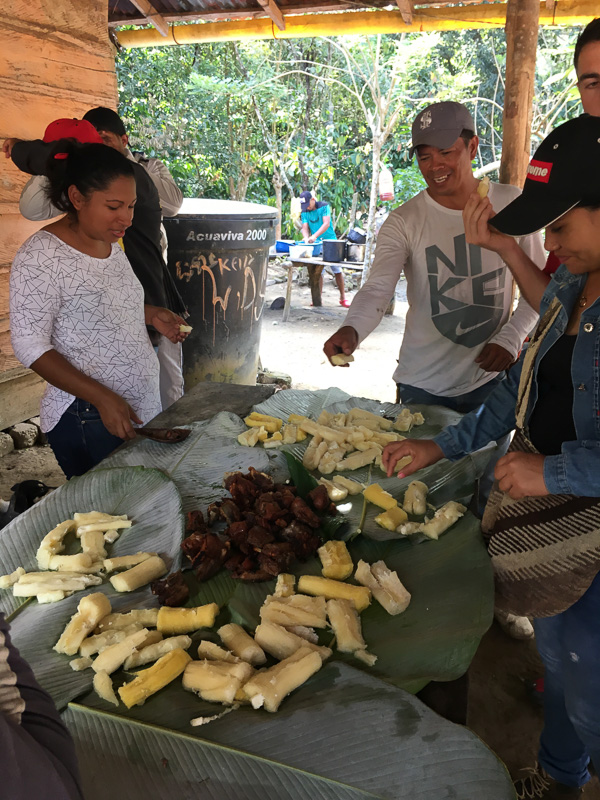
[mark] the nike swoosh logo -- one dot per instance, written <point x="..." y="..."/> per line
<point x="460" y="331"/>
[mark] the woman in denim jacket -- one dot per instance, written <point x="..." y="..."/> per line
<point x="542" y="521"/>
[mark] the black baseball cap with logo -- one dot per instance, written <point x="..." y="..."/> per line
<point x="564" y="173"/>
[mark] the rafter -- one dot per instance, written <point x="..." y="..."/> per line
<point x="406" y="10"/>
<point x="152" y="15"/>
<point x="273" y="11"/>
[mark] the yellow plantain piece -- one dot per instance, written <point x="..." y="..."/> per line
<point x="148" y="570"/>
<point x="335" y="590"/>
<point x="379" y="497"/>
<point x="298" y="609"/>
<point x="151" y="680"/>
<point x="216" y="681"/>
<point x="391" y="518"/>
<point x="282" y="643"/>
<point x="241" y="644"/>
<point x="385" y="585"/>
<point x="186" y="620"/>
<point x="268" y="688"/>
<point x="91" y="610"/>
<point x="270" y="424"/>
<point x="336" y="560"/>
<point x="483" y="186"/>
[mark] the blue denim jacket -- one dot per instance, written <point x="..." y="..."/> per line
<point x="576" y="470"/>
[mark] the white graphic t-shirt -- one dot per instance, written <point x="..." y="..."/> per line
<point x="459" y="295"/>
<point x="91" y="311"/>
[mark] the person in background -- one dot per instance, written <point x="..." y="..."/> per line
<point x="77" y="310"/>
<point x="112" y="130"/>
<point x="543" y="517"/>
<point x="38" y="755"/>
<point x="316" y="224"/>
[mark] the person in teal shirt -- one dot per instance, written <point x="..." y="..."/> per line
<point x="316" y="224"/>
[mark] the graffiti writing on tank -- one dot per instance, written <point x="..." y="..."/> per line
<point x="250" y="298"/>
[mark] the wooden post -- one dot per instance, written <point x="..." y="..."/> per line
<point x="522" y="21"/>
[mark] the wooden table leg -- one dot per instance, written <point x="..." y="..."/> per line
<point x="314" y="275"/>
<point x="288" y="294"/>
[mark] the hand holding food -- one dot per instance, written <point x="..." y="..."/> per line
<point x="423" y="453"/>
<point x="116" y="414"/>
<point x="344" y="341"/>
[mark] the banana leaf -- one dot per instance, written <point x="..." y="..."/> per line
<point x="343" y="734"/>
<point x="149" y="498"/>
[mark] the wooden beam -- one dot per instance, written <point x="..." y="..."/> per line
<point x="273" y="11"/>
<point x="20" y="393"/>
<point x="148" y="10"/>
<point x="406" y="10"/>
<point x="522" y="22"/>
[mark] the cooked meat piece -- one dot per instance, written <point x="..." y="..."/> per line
<point x="302" y="512"/>
<point x="276" y="557"/>
<point x="254" y="577"/>
<point x="194" y="521"/>
<point x="243" y="492"/>
<point x="213" y="512"/>
<point x="193" y="544"/>
<point x="258" y="537"/>
<point x="230" y="512"/>
<point x="319" y="498"/>
<point x="234" y="560"/>
<point x="207" y="552"/>
<point x="263" y="481"/>
<point x="172" y="590"/>
<point x="268" y="509"/>
<point x="238" y="534"/>
<point x="303" y="539"/>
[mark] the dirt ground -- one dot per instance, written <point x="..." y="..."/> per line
<point x="499" y="709"/>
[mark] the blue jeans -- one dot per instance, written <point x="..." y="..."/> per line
<point x="463" y="403"/>
<point x="80" y="440"/>
<point x="569" y="645"/>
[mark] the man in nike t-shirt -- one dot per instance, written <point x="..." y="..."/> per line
<point x="460" y="331"/>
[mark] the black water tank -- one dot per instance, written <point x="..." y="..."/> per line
<point x="218" y="255"/>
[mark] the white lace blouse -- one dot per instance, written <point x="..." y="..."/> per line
<point x="91" y="311"/>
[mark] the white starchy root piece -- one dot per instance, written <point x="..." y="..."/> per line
<point x="443" y="519"/>
<point x="110" y="537"/>
<point x="79" y="664"/>
<point x="285" y="585"/>
<point x="235" y="638"/>
<point x="401" y="463"/>
<point x="145" y="655"/>
<point x="6" y="581"/>
<point x="305" y="633"/>
<point x="325" y="418"/>
<point x="53" y="543"/>
<point x="149" y="570"/>
<point x="92" y="543"/>
<point x="340" y="359"/>
<point x="298" y="609"/>
<point x="360" y="459"/>
<point x="329" y="461"/>
<point x="197" y="721"/>
<point x="345" y="622"/>
<point x="125" y="562"/>
<point x="144" y="617"/>
<point x="408" y="528"/>
<point x="335" y="493"/>
<point x="33" y="583"/>
<point x="360" y="414"/>
<point x="152" y="637"/>
<point x="269" y="687"/>
<point x="313" y="455"/>
<point x="112" y="657"/>
<point x="185" y="329"/>
<point x="339" y="420"/>
<point x="353" y="487"/>
<point x="415" y="498"/>
<point x="329" y="434"/>
<point x="483" y="186"/>
<point x="91" y="610"/>
<point x="290" y="433"/>
<point x="105" y="525"/>
<point x="368" y="658"/>
<point x="212" y="652"/>
<point x="282" y="643"/>
<point x="404" y="420"/>
<point x="269" y="444"/>
<point x="89" y="517"/>
<point x="418" y="418"/>
<point x="104" y="688"/>
<point x="249" y="438"/>
<point x="216" y="681"/>
<point x="95" y="644"/>
<point x="384" y="438"/>
<point x="80" y="562"/>
<point x="51" y="597"/>
<point x="385" y="585"/>
<point x="370" y="445"/>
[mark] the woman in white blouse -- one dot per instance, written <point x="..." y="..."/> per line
<point x="77" y="310"/>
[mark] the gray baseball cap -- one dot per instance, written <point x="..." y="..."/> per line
<point x="440" y="125"/>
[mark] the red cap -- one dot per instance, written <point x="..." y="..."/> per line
<point x="78" y="129"/>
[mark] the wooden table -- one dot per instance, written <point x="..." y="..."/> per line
<point x="315" y="270"/>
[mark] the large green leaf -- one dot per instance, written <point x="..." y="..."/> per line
<point x="343" y="734"/>
<point x="149" y="498"/>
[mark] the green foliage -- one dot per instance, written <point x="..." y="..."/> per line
<point x="228" y="117"/>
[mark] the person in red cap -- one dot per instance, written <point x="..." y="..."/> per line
<point x="542" y="521"/>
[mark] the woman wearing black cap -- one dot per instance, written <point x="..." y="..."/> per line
<point x="542" y="520"/>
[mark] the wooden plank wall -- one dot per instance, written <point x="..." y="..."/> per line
<point x="55" y="61"/>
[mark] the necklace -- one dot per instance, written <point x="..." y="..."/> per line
<point x="582" y="301"/>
